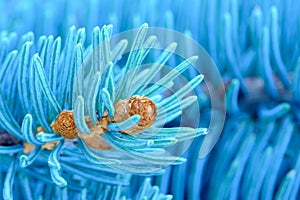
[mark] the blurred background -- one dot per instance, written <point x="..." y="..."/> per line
<point x="255" y="45"/>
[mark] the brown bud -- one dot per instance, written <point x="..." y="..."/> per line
<point x="136" y="105"/>
<point x="65" y="125"/>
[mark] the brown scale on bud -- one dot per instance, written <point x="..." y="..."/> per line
<point x="47" y="146"/>
<point x="65" y="125"/>
<point x="27" y="147"/>
<point x="94" y="139"/>
<point x="139" y="105"/>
